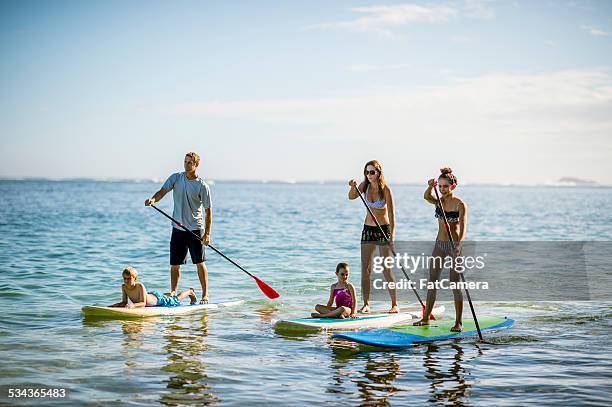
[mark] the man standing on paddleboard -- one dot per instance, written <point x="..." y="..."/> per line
<point x="191" y="194"/>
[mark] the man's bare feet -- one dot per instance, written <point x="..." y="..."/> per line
<point x="422" y="322"/>
<point x="204" y="300"/>
<point x="172" y="293"/>
<point x="365" y="309"/>
<point x="394" y="310"/>
<point x="192" y="296"/>
<point x="457" y="328"/>
<point x="315" y="315"/>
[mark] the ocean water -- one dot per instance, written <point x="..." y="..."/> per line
<point x="63" y="245"/>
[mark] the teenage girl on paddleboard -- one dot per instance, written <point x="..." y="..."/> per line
<point x="342" y="293"/>
<point x="457" y="215"/>
<point x="379" y="198"/>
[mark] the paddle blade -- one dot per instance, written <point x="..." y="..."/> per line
<point x="266" y="289"/>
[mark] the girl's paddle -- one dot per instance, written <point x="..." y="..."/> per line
<point x="265" y="288"/>
<point x="450" y="238"/>
<point x="392" y="250"/>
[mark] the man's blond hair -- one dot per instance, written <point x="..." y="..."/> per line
<point x="194" y="156"/>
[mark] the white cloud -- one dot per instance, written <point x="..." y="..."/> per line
<point x="477" y="9"/>
<point x="381" y="19"/>
<point x="369" y="68"/>
<point x="527" y="123"/>
<point x="595" y="31"/>
<point x="489" y="96"/>
<point x="580" y="5"/>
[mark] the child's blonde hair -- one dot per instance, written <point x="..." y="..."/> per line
<point x="130" y="271"/>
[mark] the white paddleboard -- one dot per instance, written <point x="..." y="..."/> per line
<point x="372" y="320"/>
<point x="100" y="311"/>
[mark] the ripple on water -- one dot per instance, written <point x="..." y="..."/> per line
<point x="557" y="353"/>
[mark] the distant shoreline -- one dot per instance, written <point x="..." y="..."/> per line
<point x="292" y="182"/>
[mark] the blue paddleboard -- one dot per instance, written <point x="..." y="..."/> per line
<point x="407" y="335"/>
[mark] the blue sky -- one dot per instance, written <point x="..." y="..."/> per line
<point x="503" y="91"/>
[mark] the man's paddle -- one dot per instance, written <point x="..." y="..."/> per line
<point x="450" y="238"/>
<point x="265" y="288"/>
<point x="392" y="250"/>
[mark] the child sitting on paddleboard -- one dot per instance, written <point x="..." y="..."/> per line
<point x="343" y="293"/>
<point x="140" y="298"/>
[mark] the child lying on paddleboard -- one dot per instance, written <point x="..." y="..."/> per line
<point x="140" y="298"/>
<point x="343" y="293"/>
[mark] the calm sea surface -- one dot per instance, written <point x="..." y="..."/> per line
<point x="63" y="245"/>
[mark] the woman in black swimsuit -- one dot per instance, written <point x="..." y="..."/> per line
<point x="456" y="214"/>
<point x="379" y="199"/>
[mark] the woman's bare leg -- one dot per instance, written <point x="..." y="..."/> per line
<point x="458" y="297"/>
<point x="435" y="269"/>
<point x="385" y="251"/>
<point x="367" y="249"/>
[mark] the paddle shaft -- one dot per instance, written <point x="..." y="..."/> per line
<point x="388" y="242"/>
<point x="199" y="238"/>
<point x="450" y="238"/>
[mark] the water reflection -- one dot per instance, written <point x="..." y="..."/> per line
<point x="380" y="376"/>
<point x="342" y="370"/>
<point x="445" y="369"/>
<point x="295" y="335"/>
<point x="375" y="382"/>
<point x="186" y="346"/>
<point x="135" y="334"/>
<point x="134" y="340"/>
<point x="266" y="315"/>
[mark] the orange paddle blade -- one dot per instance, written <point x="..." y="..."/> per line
<point x="266" y="289"/>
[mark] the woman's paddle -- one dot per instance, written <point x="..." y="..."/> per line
<point x="392" y="250"/>
<point x="450" y="238"/>
<point x="265" y="288"/>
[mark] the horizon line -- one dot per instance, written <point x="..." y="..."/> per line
<point x="576" y="183"/>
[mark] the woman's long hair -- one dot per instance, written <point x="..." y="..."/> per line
<point x="381" y="178"/>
